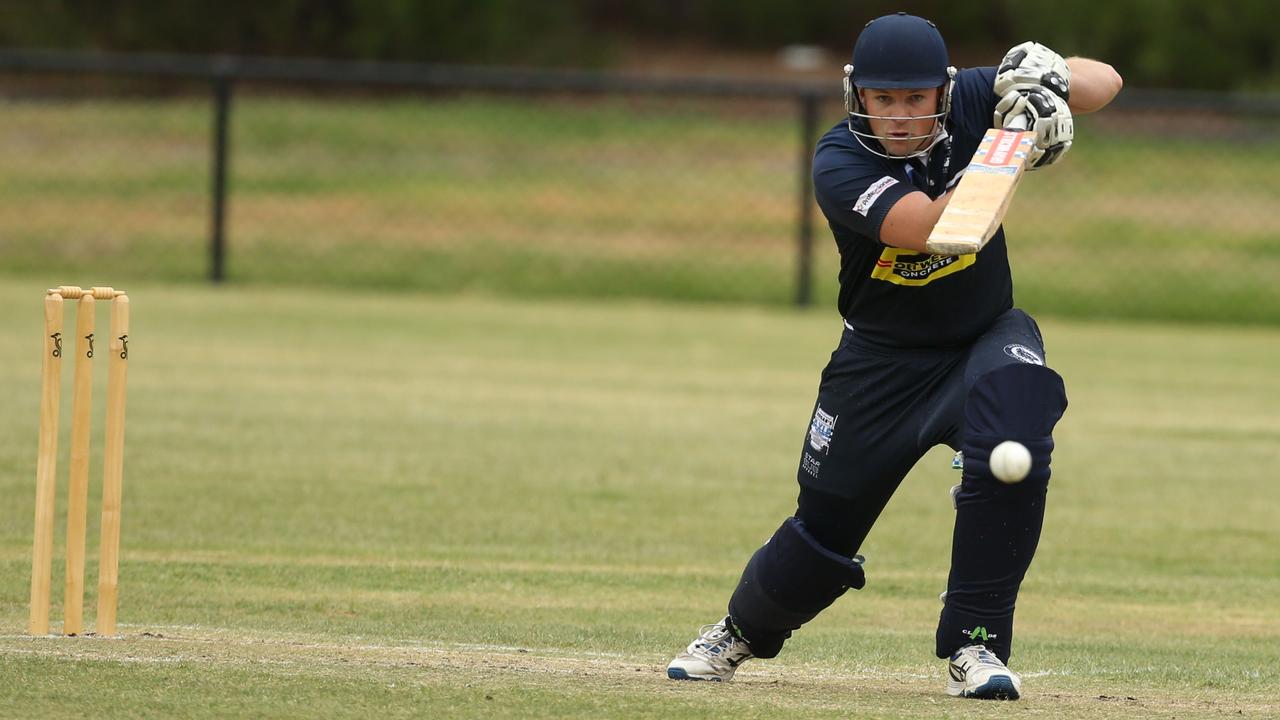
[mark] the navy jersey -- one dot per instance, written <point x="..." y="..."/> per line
<point x="901" y="297"/>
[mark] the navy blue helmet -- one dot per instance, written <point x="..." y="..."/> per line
<point x="900" y="51"/>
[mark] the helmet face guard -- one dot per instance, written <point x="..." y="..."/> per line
<point x="897" y="52"/>
<point x="856" y="112"/>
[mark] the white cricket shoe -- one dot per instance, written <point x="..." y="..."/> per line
<point x="975" y="672"/>
<point x="715" y="655"/>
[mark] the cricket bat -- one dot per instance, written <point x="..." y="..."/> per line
<point x="981" y="198"/>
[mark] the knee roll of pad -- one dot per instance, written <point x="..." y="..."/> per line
<point x="1016" y="401"/>
<point x="788" y="582"/>
<point x="1020" y="402"/>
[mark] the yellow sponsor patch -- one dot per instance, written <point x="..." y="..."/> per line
<point x="908" y="267"/>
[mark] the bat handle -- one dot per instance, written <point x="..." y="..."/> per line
<point x="1018" y="123"/>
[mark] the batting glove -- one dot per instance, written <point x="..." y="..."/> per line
<point x="1032" y="65"/>
<point x="1046" y="115"/>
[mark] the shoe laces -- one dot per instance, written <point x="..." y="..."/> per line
<point x="983" y="656"/>
<point x="717" y="643"/>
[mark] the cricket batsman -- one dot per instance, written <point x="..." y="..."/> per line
<point x="933" y="351"/>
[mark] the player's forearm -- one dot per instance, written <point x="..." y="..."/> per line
<point x="910" y="221"/>
<point x="1093" y="84"/>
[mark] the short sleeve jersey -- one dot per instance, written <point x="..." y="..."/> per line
<point x="901" y="297"/>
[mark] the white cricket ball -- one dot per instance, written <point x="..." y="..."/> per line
<point x="1010" y="461"/>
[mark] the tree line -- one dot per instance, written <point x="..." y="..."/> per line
<point x="1232" y="44"/>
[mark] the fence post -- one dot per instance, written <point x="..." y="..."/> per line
<point x="221" y="117"/>
<point x="804" y="260"/>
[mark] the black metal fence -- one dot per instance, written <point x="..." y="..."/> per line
<point x="579" y="183"/>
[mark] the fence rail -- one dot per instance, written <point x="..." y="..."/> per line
<point x="223" y="71"/>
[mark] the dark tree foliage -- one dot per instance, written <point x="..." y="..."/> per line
<point x="1171" y="43"/>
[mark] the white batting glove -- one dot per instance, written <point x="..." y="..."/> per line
<point x="1046" y="115"/>
<point x="1032" y="65"/>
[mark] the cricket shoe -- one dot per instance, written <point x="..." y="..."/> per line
<point x="975" y="672"/>
<point x="714" y="655"/>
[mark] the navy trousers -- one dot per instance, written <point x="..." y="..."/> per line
<point x="879" y="410"/>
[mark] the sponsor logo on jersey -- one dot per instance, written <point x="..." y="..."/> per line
<point x="821" y="430"/>
<point x="873" y="193"/>
<point x="908" y="267"/>
<point x="1022" y="353"/>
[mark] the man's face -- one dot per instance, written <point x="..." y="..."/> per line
<point x="914" y="104"/>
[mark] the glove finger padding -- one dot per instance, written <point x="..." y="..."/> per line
<point x="1012" y="105"/>
<point x="1032" y="65"/>
<point x="1048" y="118"/>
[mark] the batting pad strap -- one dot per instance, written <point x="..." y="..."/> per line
<point x="786" y="584"/>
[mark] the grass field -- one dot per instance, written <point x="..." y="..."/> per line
<point x="622" y="197"/>
<point x="358" y="504"/>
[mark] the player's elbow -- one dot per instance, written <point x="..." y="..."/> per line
<point x="906" y="237"/>
<point x="1094" y="85"/>
<point x="909" y="223"/>
<point x="910" y="220"/>
<point x="1110" y="84"/>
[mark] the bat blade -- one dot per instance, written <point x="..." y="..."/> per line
<point x="977" y="208"/>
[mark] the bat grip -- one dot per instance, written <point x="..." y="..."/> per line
<point x="1018" y="123"/>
